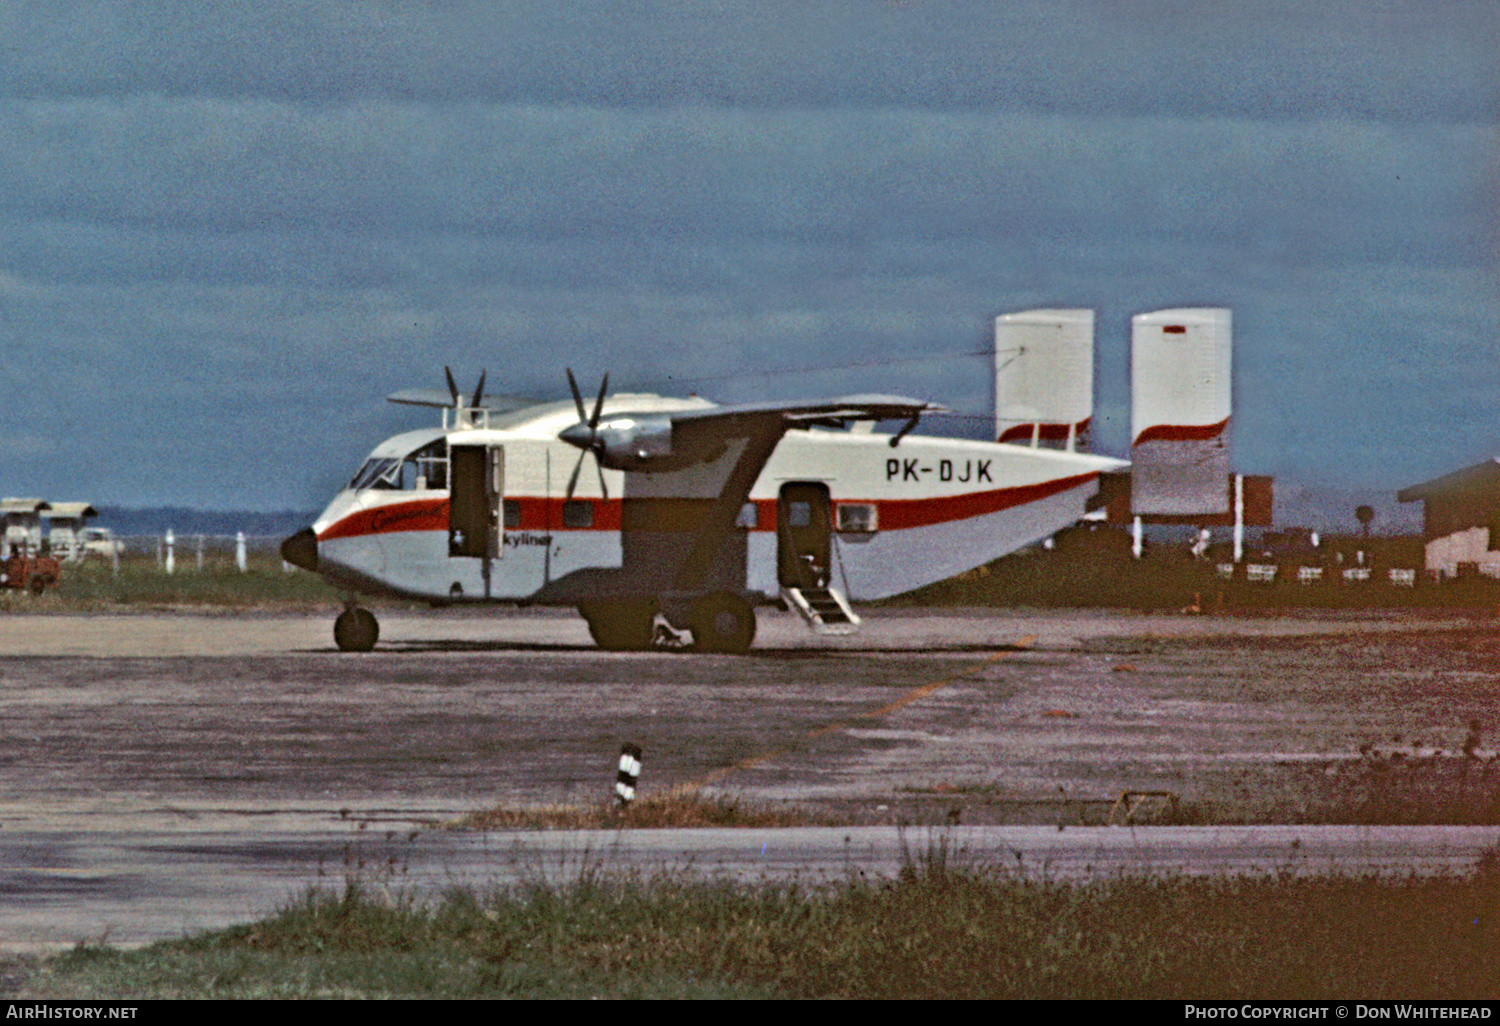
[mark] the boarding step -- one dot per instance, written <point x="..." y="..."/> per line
<point x="824" y="609"/>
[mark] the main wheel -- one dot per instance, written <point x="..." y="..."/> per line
<point x="621" y="626"/>
<point x="722" y="622"/>
<point x="356" y="630"/>
<point x="37" y="585"/>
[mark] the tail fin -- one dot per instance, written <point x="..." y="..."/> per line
<point x="1180" y="367"/>
<point x="1044" y="376"/>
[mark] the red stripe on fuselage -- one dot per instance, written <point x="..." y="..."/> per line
<point x="538" y="514"/>
<point x="432" y="515"/>
<point x="904" y="514"/>
<point x="421" y="515"/>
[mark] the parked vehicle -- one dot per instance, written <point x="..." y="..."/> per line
<point x="86" y="541"/>
<point x="34" y="573"/>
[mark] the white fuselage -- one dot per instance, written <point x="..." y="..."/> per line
<point x="901" y="517"/>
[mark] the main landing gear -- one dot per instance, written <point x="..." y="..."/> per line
<point x="356" y="629"/>
<point x="722" y="622"/>
<point x="624" y="626"/>
<point x="718" y="622"/>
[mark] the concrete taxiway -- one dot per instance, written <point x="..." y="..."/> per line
<point x="165" y="773"/>
<point x="133" y="886"/>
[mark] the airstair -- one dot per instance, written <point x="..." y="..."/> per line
<point x="824" y="609"/>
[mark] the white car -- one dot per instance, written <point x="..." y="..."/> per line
<point x="96" y="541"/>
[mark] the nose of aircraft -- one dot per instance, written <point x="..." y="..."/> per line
<point x="301" y="549"/>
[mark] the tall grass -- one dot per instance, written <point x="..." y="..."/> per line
<point x="94" y="585"/>
<point x="942" y="929"/>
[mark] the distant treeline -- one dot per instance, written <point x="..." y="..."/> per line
<point x="183" y="521"/>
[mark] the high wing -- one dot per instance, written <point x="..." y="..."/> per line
<point x="443" y="400"/>
<point x="663" y="441"/>
<point x="700" y="460"/>
<point x="831" y="412"/>
<point x="454" y="400"/>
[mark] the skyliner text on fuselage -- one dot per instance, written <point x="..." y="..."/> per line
<point x="693" y="514"/>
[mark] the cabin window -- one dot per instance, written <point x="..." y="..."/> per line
<point x="512" y="513"/>
<point x="427" y="467"/>
<point x="798" y="513"/>
<point x="857" y="518"/>
<point x="578" y="513"/>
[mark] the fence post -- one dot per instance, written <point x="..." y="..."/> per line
<point x="171" y="558"/>
<point x="200" y="553"/>
<point x="239" y="550"/>
<point x="629" y="773"/>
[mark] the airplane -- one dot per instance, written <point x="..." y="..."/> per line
<point x="696" y="513"/>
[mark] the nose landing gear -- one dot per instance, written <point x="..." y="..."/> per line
<point x="356" y="629"/>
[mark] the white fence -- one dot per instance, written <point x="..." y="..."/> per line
<point x="174" y="552"/>
<point x="1267" y="573"/>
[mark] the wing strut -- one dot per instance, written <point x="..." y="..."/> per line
<point x="906" y="429"/>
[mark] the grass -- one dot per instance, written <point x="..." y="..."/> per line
<point x="1164" y="582"/>
<point x="674" y="809"/>
<point x="942" y="929"/>
<point x="93" y="586"/>
<point x="1449" y="790"/>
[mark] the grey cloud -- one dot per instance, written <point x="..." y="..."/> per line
<point x="246" y="222"/>
<point x="1283" y="60"/>
<point x="322" y="179"/>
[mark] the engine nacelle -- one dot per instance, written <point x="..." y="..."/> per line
<point x="641" y="443"/>
<point x="634" y="443"/>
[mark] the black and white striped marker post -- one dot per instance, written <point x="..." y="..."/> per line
<point x="629" y="774"/>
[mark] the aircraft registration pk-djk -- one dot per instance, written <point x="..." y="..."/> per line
<point x="695" y="514"/>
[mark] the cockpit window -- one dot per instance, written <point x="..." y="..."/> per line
<point x="377" y="473"/>
<point x="427" y="468"/>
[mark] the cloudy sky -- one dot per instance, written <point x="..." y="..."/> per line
<point x="228" y="230"/>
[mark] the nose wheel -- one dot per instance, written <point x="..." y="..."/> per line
<point x="356" y="630"/>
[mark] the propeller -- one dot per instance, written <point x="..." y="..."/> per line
<point x="454" y="400"/>
<point x="453" y="389"/>
<point x="587" y="440"/>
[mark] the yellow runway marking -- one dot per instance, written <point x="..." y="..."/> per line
<point x="916" y="694"/>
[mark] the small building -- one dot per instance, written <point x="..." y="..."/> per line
<point x="65" y="522"/>
<point x="1460" y="520"/>
<point x="23" y="523"/>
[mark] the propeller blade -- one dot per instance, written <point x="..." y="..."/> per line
<point x="452" y="387"/>
<point x="577" y="397"/>
<point x="573" y="481"/>
<point x="603" y="488"/>
<point x="599" y="404"/>
<point x="479" y="392"/>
